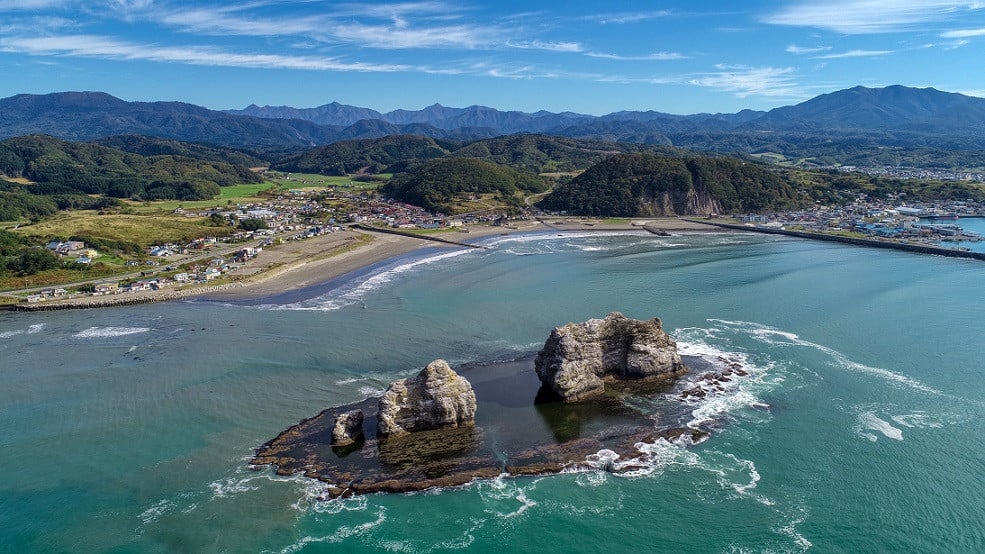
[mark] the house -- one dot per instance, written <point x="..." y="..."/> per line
<point x="107" y="288"/>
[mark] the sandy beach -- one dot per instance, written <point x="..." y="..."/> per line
<point x="298" y="264"/>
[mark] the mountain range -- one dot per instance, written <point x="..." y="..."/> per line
<point x="895" y="117"/>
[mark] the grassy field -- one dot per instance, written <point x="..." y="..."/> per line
<point x="144" y="230"/>
<point x="236" y="194"/>
<point x="311" y="181"/>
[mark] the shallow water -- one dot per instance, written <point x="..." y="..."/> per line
<point x="857" y="429"/>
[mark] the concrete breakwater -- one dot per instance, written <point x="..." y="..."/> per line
<point x="905" y="246"/>
<point x="415" y="235"/>
<point x="122" y="299"/>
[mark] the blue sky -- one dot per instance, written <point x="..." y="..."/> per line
<point x="674" y="56"/>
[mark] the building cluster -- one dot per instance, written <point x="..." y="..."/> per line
<point x="930" y="223"/>
<point x="913" y="173"/>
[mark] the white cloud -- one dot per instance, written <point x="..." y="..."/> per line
<point x="870" y="16"/>
<point x="854" y="54"/>
<point x="382" y="27"/>
<point x="794" y="49"/>
<point x="628" y="17"/>
<point x="549" y="46"/>
<point x="964" y="33"/>
<point x="24" y="5"/>
<point x="656" y="56"/>
<point x="91" y="46"/>
<point x="746" y="81"/>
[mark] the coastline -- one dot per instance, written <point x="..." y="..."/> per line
<point x="297" y="265"/>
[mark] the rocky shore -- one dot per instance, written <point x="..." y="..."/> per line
<point x="445" y="428"/>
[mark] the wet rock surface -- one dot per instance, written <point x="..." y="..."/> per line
<point x="521" y="427"/>
<point x="437" y="398"/>
<point x="578" y="358"/>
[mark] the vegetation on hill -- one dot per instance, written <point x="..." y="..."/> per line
<point x="156" y="146"/>
<point x="543" y="153"/>
<point x="365" y="155"/>
<point x="435" y="184"/>
<point x="57" y="167"/>
<point x="835" y="187"/>
<point x="629" y="185"/>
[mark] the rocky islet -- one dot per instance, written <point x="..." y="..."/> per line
<point x="439" y="428"/>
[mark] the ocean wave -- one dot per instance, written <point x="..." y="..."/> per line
<point x="339" y="535"/>
<point x="776" y="337"/>
<point x="351" y="294"/>
<point x="107" y="332"/>
<point x="32" y="329"/>
<point x="869" y="421"/>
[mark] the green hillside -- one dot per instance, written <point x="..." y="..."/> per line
<point x="434" y="185"/>
<point x="365" y="155"/>
<point x="56" y="167"/>
<point x="628" y="185"/>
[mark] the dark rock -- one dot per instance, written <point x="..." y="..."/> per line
<point x="578" y="357"/>
<point x="437" y="398"/>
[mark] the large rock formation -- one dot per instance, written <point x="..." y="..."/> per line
<point x="348" y="428"/>
<point x="437" y="398"/>
<point x="578" y="357"/>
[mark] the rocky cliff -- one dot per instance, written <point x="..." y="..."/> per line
<point x="437" y="398"/>
<point x="578" y="357"/>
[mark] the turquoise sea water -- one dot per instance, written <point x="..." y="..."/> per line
<point x="857" y="430"/>
<point x="968" y="224"/>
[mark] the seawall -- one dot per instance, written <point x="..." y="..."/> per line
<point x="387" y="231"/>
<point x="873" y="243"/>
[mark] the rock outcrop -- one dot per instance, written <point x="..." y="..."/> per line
<point x="348" y="428"/>
<point x="578" y="357"/>
<point x="437" y="398"/>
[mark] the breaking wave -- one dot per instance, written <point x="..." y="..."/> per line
<point x="106" y="332"/>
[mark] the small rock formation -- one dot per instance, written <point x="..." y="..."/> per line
<point x="437" y="398"/>
<point x="348" y="428"/>
<point x="578" y="357"/>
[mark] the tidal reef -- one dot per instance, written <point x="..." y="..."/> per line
<point x="544" y="413"/>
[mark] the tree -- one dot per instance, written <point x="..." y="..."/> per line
<point x="252" y="224"/>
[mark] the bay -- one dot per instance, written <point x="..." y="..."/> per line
<point x="858" y="429"/>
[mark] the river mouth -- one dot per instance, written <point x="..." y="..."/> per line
<point x="521" y="428"/>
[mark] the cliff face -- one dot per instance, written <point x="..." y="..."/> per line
<point x="578" y="357"/>
<point x="437" y="398"/>
<point x="670" y="203"/>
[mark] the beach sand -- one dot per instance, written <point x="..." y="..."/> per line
<point x="298" y="264"/>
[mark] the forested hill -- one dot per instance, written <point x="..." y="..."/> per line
<point x="434" y="184"/>
<point x="544" y="153"/>
<point x="366" y="155"/>
<point x="155" y="146"/>
<point x="634" y="185"/>
<point x="62" y="167"/>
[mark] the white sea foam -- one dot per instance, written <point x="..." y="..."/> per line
<point x="32" y="329"/>
<point x="152" y="514"/>
<point x="918" y="420"/>
<point x="107" y="332"/>
<point x="354" y="294"/>
<point x="371" y="392"/>
<point x="340" y="535"/>
<point x="776" y="337"/>
<point x="870" y="421"/>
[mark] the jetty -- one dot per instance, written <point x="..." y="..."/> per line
<point x="857" y="241"/>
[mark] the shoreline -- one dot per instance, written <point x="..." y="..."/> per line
<point x="856" y="241"/>
<point x="297" y="265"/>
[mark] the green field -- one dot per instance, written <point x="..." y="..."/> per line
<point x="310" y="181"/>
<point x="144" y="230"/>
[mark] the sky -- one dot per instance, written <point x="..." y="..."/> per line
<point x="679" y="56"/>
